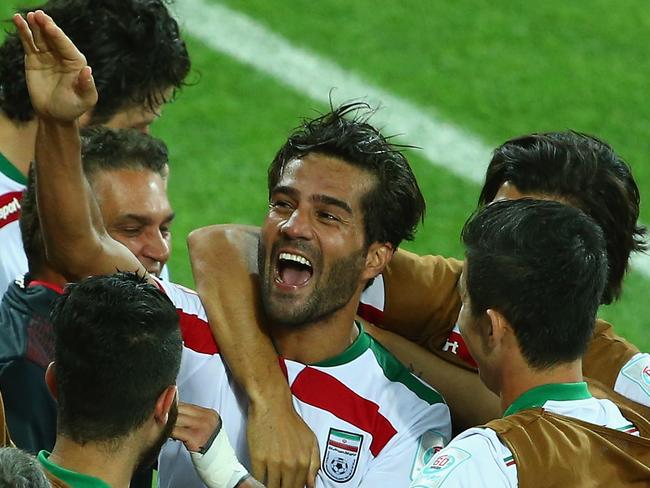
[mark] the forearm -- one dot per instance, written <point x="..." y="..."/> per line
<point x="75" y="239"/>
<point x="234" y="310"/>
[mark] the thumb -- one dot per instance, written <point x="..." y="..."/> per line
<point x="86" y="85"/>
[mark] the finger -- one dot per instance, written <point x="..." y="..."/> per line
<point x="314" y="466"/>
<point x="273" y="477"/>
<point x="25" y="34"/>
<point x="258" y="470"/>
<point x="37" y="34"/>
<point x="86" y="81"/>
<point x="55" y="39"/>
<point x="293" y="477"/>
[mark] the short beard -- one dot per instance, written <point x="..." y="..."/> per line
<point x="332" y="293"/>
<point x="150" y="456"/>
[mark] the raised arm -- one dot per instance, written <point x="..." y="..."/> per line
<point x="283" y="450"/>
<point x="61" y="89"/>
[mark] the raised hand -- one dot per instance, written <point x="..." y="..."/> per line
<point x="60" y="83"/>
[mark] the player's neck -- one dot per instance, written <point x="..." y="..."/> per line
<point x="318" y="341"/>
<point x="515" y="383"/>
<point x="114" y="465"/>
<point x="49" y="275"/>
<point x="17" y="142"/>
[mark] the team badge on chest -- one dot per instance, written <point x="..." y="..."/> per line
<point x="342" y="455"/>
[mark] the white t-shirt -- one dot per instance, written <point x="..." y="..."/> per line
<point x="375" y="422"/>
<point x="13" y="262"/>
<point x="478" y="458"/>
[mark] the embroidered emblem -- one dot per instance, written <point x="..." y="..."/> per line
<point x="342" y="455"/>
<point x="430" y="443"/>
<point x="436" y="471"/>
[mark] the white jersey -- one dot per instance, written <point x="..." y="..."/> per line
<point x="633" y="380"/>
<point x="13" y="262"/>
<point x="478" y="458"/>
<point x="375" y="422"/>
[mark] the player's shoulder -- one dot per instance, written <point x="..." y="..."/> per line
<point x="394" y="371"/>
<point x="476" y="458"/>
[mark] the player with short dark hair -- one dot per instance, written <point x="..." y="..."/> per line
<point x="314" y="260"/>
<point x="533" y="279"/>
<point x="117" y="354"/>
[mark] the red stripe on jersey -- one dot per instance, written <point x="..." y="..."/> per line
<point x="370" y="313"/>
<point x="345" y="447"/>
<point x="196" y="333"/>
<point x="456" y="343"/>
<point x="10" y="207"/>
<point x="511" y="462"/>
<point x="326" y="392"/>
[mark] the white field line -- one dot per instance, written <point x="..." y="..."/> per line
<point x="242" y="38"/>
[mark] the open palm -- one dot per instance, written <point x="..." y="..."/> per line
<point x="60" y="83"/>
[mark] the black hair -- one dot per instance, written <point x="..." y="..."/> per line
<point x="102" y="149"/>
<point x="117" y="347"/>
<point x="543" y="266"/>
<point x="395" y="206"/>
<point x="133" y="46"/>
<point x="585" y="172"/>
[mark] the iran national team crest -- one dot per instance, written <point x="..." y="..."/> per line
<point x="342" y="455"/>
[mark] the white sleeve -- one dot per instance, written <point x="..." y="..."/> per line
<point x="402" y="457"/>
<point x="475" y="459"/>
<point x="633" y="380"/>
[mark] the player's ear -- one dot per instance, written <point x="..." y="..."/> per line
<point x="499" y="327"/>
<point x="164" y="403"/>
<point x="50" y="380"/>
<point x="377" y="257"/>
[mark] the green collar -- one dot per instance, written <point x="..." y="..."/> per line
<point x="538" y="396"/>
<point x="10" y="171"/>
<point x="75" y="480"/>
<point x="354" y="350"/>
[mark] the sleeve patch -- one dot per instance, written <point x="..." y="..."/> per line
<point x="639" y="372"/>
<point x="430" y="443"/>
<point x="435" y="473"/>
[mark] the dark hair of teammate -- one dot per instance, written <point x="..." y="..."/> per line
<point x="117" y="347"/>
<point x="585" y="172"/>
<point x="543" y="266"/>
<point x="133" y="46"/>
<point x="395" y="206"/>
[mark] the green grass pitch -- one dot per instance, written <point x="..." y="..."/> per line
<point x="497" y="69"/>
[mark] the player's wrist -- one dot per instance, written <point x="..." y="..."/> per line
<point x="218" y="466"/>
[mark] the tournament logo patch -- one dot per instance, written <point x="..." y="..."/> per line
<point x="438" y="469"/>
<point x="342" y="455"/>
<point x="638" y="371"/>
<point x="430" y="443"/>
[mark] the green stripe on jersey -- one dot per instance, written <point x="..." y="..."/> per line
<point x="10" y="171"/>
<point x="397" y="372"/>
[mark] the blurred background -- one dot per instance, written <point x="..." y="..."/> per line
<point x="453" y="78"/>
